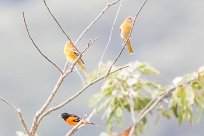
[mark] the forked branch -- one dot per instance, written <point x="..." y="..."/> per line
<point x="37" y="46"/>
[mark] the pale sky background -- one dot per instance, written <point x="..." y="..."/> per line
<point x="168" y="34"/>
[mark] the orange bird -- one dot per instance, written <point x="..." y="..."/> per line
<point x="71" y="54"/>
<point x="125" y="29"/>
<point x="73" y="119"/>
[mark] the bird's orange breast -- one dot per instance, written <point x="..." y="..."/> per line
<point x="72" y="121"/>
<point x="69" y="53"/>
<point x="125" y="30"/>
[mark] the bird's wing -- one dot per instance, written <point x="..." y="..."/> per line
<point x="77" y="54"/>
<point x="76" y="118"/>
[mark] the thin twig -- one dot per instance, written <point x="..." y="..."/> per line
<point x="56" y="20"/>
<point x="110" y="36"/>
<point x="20" y="114"/>
<point x="8" y="103"/>
<point x="89" y="43"/>
<point x="116" y="59"/>
<point x="37" y="46"/>
<point x="138" y="12"/>
<point x="131" y="103"/>
<point x="80" y="55"/>
<point x="91" y="115"/>
<point x="95" y="20"/>
<point x="79" y="75"/>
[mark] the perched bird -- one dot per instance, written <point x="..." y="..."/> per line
<point x="73" y="120"/>
<point x="71" y="54"/>
<point x="125" y="29"/>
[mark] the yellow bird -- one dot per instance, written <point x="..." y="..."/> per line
<point x="125" y="29"/>
<point x="71" y="54"/>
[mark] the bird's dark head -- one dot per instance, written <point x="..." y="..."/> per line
<point x="65" y="115"/>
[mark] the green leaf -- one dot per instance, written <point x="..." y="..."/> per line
<point x="174" y="109"/>
<point x="140" y="102"/>
<point x="165" y="114"/>
<point x="119" y="112"/>
<point x="180" y="119"/>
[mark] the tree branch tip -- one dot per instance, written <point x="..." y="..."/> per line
<point x="96" y="38"/>
<point x="18" y="110"/>
<point x="37" y="114"/>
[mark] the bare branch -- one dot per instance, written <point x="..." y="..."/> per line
<point x="20" y="115"/>
<point x="77" y="94"/>
<point x="95" y="20"/>
<point x="125" y="43"/>
<point x="153" y="103"/>
<point x="80" y="76"/>
<point x="59" y="26"/>
<point x="91" y="115"/>
<point x="110" y="36"/>
<point x="89" y="43"/>
<point x="138" y="12"/>
<point x="116" y="59"/>
<point x="54" y="91"/>
<point x="8" y="103"/>
<point x="37" y="46"/>
<point x="45" y="105"/>
<point x="56" y="20"/>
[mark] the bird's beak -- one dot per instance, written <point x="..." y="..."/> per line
<point x="59" y="116"/>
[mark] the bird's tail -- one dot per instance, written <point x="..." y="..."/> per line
<point x="81" y="65"/>
<point x="130" y="50"/>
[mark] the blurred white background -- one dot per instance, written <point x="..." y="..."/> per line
<point x="168" y="34"/>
